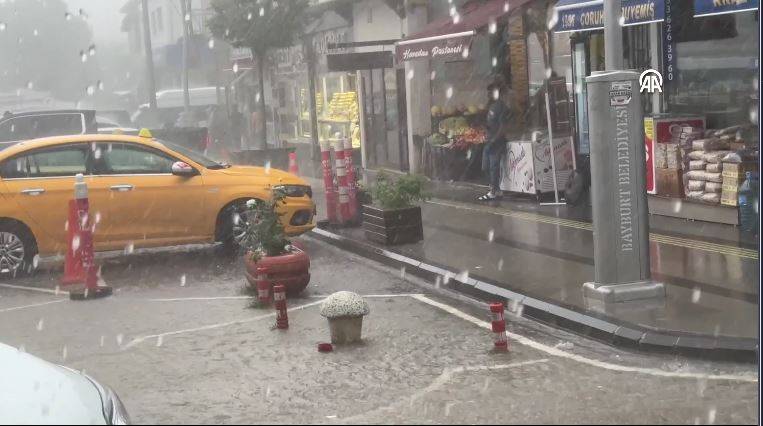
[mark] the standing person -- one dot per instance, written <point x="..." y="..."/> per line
<point x="495" y="145"/>
<point x="236" y="123"/>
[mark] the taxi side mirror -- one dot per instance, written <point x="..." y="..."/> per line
<point x="180" y="168"/>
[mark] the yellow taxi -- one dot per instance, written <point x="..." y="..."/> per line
<point x="142" y="192"/>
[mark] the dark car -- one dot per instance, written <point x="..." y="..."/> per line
<point x="38" y="124"/>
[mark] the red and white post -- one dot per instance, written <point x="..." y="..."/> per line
<point x="282" y="317"/>
<point x="352" y="189"/>
<point x="341" y="175"/>
<point x="263" y="286"/>
<point x="293" y="168"/>
<point x="80" y="265"/>
<point x="328" y="182"/>
<point x="501" y="340"/>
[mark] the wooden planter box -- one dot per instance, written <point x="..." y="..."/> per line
<point x="389" y="227"/>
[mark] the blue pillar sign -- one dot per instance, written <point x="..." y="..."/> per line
<point x="669" y="44"/>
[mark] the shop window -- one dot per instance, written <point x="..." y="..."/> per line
<point x="688" y="28"/>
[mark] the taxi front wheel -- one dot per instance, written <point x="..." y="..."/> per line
<point x="17" y="249"/>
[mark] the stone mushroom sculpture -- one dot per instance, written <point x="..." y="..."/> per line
<point x="345" y="311"/>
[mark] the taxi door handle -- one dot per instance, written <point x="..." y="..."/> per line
<point x="33" y="191"/>
<point x="122" y="188"/>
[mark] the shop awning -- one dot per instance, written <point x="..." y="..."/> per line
<point x="587" y="15"/>
<point x="450" y="37"/>
<point x="720" y="7"/>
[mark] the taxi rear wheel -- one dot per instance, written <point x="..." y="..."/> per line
<point x="17" y="249"/>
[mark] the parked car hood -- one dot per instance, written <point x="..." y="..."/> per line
<point x="33" y="391"/>
<point x="275" y="176"/>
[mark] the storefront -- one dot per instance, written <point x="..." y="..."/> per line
<point x="466" y="51"/>
<point x="707" y="53"/>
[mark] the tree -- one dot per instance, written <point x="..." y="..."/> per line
<point x="42" y="46"/>
<point x="260" y="25"/>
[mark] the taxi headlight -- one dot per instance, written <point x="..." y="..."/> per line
<point x="296" y="191"/>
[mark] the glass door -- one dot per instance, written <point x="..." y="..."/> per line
<point x="580" y="69"/>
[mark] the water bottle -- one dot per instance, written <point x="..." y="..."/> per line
<point x="748" y="203"/>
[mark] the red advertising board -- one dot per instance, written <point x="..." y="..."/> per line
<point x="663" y="129"/>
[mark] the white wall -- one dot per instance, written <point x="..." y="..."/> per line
<point x="374" y="20"/>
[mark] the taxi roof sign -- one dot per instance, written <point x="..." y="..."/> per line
<point x="145" y="133"/>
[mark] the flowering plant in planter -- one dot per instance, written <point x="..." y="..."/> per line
<point x="264" y="235"/>
<point x="270" y="258"/>
<point x="345" y="311"/>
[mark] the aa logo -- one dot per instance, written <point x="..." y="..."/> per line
<point x="650" y="81"/>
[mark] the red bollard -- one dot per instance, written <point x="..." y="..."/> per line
<point x="328" y="181"/>
<point x="499" y="327"/>
<point x="352" y="188"/>
<point x="341" y="174"/>
<point x="282" y="317"/>
<point x="73" y="271"/>
<point x="80" y="257"/>
<point x="293" y="168"/>
<point x="263" y="287"/>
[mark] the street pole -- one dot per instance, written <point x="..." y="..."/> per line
<point x="150" y="82"/>
<point x="185" y="10"/>
<point x="618" y="180"/>
<point x="613" y="36"/>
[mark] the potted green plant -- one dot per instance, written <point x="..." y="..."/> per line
<point x="270" y="258"/>
<point x="394" y="217"/>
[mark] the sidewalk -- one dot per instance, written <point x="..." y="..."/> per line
<point x="545" y="253"/>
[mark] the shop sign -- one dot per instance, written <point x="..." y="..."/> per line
<point x="584" y="15"/>
<point x="322" y="40"/>
<point x="445" y="48"/>
<point x="288" y="60"/>
<point x="719" y="7"/>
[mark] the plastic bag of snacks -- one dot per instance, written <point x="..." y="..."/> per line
<point x="714" y="168"/>
<point x="713" y="187"/>
<point x="697" y="165"/>
<point x="715" y="156"/>
<point x="696" y="155"/>
<point x="710" y="144"/>
<point x="713" y="198"/>
<point x="696" y="175"/>
<point x="696" y="185"/>
<point x="713" y="177"/>
<point x="695" y="195"/>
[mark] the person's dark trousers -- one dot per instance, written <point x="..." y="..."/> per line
<point x="494" y="170"/>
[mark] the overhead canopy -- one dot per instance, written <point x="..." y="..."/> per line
<point x="450" y="37"/>
<point x="720" y="7"/>
<point x="587" y="15"/>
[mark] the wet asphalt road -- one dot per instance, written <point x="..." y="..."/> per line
<point x="180" y="344"/>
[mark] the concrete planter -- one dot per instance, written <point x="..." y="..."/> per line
<point x="345" y="311"/>
<point x="346" y="329"/>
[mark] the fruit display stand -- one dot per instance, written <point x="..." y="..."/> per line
<point x="454" y="150"/>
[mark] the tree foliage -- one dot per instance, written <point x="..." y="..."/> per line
<point x="41" y="46"/>
<point x="260" y="25"/>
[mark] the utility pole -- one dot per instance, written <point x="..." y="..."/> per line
<point x="150" y="82"/>
<point x="618" y="181"/>
<point x="613" y="36"/>
<point x="186" y="12"/>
